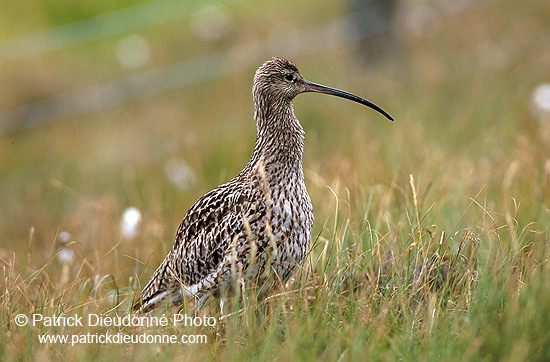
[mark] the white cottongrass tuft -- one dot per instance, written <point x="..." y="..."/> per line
<point x="129" y="225"/>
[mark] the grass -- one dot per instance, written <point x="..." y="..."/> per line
<point x="431" y="233"/>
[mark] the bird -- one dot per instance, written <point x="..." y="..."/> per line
<point x="255" y="228"/>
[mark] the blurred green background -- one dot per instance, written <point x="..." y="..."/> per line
<point x="116" y="116"/>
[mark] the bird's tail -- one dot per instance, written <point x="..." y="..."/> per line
<point x="161" y="286"/>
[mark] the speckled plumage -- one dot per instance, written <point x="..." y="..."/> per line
<point x="258" y="225"/>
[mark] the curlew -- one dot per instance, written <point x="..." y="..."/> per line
<point x="255" y="228"/>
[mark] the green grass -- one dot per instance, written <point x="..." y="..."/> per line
<point x="431" y="233"/>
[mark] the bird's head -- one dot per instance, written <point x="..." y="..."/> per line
<point x="279" y="80"/>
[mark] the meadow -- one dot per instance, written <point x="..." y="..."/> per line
<point x="431" y="232"/>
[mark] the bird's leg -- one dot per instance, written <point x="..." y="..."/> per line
<point x="199" y="304"/>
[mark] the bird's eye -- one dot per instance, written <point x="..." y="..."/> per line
<point x="289" y="77"/>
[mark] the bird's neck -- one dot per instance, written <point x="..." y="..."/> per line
<point x="280" y="136"/>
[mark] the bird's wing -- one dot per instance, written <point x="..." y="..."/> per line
<point x="204" y="237"/>
<point x="210" y="226"/>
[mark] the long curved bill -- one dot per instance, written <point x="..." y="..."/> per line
<point x="318" y="88"/>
